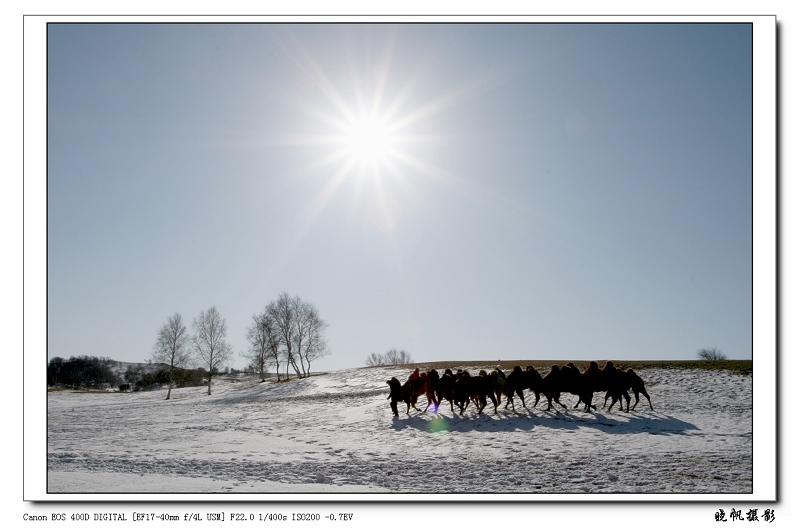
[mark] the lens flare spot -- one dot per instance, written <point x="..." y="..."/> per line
<point x="437" y="424"/>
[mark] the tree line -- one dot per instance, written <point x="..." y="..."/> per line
<point x="139" y="380"/>
<point x="288" y="335"/>
<point x="95" y="373"/>
<point x="81" y="372"/>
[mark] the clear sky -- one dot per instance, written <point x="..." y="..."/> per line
<point x="458" y="191"/>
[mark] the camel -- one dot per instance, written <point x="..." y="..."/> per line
<point x="474" y="389"/>
<point x="575" y="382"/>
<point x="416" y="385"/>
<point x="517" y="382"/>
<point x="501" y="388"/>
<point x="615" y="385"/>
<point x="627" y="380"/>
<point x="533" y="382"/>
<point x="447" y="388"/>
<point x="551" y="386"/>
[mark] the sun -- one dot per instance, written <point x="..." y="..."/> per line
<point x="370" y="133"/>
<point x="368" y="140"/>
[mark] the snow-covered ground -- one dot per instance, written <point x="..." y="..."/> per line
<point x="335" y="433"/>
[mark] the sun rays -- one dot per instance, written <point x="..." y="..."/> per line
<point x="368" y="124"/>
<point x="364" y="124"/>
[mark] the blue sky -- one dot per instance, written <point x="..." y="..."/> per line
<point x="516" y="191"/>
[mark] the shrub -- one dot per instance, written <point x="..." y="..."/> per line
<point x="711" y="353"/>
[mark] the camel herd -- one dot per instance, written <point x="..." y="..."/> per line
<point x="461" y="388"/>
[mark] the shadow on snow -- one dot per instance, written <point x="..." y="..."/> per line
<point x="632" y="423"/>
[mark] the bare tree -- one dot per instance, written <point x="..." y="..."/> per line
<point x="172" y="347"/>
<point x="300" y="334"/>
<point x="264" y="343"/>
<point x="274" y="352"/>
<point x="392" y="357"/>
<point x="209" y="340"/>
<point x="395" y="357"/>
<point x="309" y="334"/>
<point x="375" y="359"/>
<point x="282" y="312"/>
<point x="711" y="353"/>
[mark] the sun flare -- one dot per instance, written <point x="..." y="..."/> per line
<point x="369" y="140"/>
<point x="373" y="132"/>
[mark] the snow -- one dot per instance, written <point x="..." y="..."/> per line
<point x="334" y="433"/>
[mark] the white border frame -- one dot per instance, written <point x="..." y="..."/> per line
<point x="765" y="344"/>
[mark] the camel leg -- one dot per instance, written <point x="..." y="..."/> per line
<point x="484" y="402"/>
<point x="589" y="405"/>
<point x="613" y="401"/>
<point x="627" y="401"/>
<point x="429" y="403"/>
<point x="636" y="395"/>
<point x="414" y="404"/>
<point x="432" y="400"/>
<point x="648" y="398"/>
<point x="435" y="406"/>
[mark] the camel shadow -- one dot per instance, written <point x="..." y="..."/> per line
<point x="628" y="423"/>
